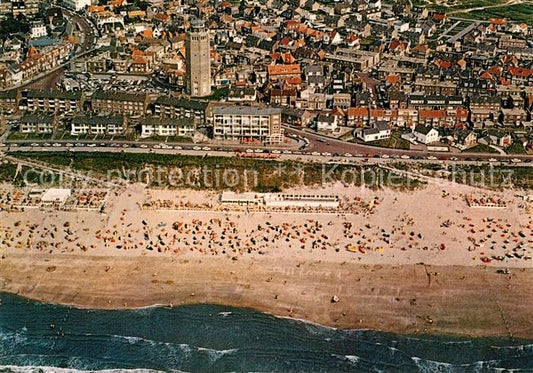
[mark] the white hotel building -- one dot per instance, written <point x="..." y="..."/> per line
<point x="247" y="124"/>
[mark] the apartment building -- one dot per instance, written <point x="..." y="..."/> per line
<point x="154" y="126"/>
<point x="54" y="101"/>
<point x="247" y="124"/>
<point x="173" y="107"/>
<point x="98" y="125"/>
<point x="109" y="102"/>
<point x="9" y="101"/>
<point x="37" y="123"/>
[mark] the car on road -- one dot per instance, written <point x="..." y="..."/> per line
<point x="198" y="148"/>
<point x="92" y="145"/>
<point x="348" y="154"/>
<point x="516" y="160"/>
<point x="315" y="153"/>
<point x="144" y="146"/>
<point x="69" y="145"/>
<point x="276" y="151"/>
<point x="493" y="160"/>
<point x="405" y="157"/>
<point x="385" y="156"/>
<point x="34" y="144"/>
<point x="125" y="146"/>
<point x="454" y="159"/>
<point x="206" y="148"/>
<point x="56" y="145"/>
<point x="326" y="154"/>
<point x="156" y="146"/>
<point x="47" y="144"/>
<point x="432" y="158"/>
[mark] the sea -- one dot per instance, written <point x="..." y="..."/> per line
<point x="42" y="337"/>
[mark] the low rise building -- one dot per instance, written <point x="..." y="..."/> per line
<point x="154" y="126"/>
<point x="380" y="131"/>
<point x="37" y="123"/>
<point x="240" y="94"/>
<point x="499" y="138"/>
<point x="426" y="134"/>
<point x="98" y="125"/>
<point x="327" y="122"/>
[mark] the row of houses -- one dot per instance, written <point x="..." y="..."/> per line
<point x="229" y="123"/>
<point x="108" y="125"/>
<point x="461" y="138"/>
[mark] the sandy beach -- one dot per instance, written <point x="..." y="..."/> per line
<point x="417" y="262"/>
<point x="410" y="299"/>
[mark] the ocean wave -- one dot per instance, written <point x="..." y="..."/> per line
<point x="186" y="348"/>
<point x="431" y="366"/>
<point x="214" y="355"/>
<point x="516" y="348"/>
<point x="350" y="358"/>
<point x="425" y="365"/>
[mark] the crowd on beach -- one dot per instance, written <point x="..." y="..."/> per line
<point x="372" y="228"/>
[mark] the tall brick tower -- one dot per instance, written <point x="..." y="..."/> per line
<point x="198" y="79"/>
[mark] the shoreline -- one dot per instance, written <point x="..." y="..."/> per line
<point x="405" y="299"/>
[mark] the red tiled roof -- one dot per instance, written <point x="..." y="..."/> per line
<point x="357" y="111"/>
<point x="284" y="69"/>
<point x="393" y="79"/>
<point x="294" y="80"/>
<point x="520" y="71"/>
<point x="431" y="113"/>
<point x="285" y="41"/>
<point x="498" y="21"/>
<point x="495" y="70"/>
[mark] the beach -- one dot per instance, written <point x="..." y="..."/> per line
<point x="408" y="299"/>
<point x="422" y="262"/>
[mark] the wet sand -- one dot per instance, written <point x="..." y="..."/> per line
<point x="408" y="299"/>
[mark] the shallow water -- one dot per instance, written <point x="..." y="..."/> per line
<point x="41" y="337"/>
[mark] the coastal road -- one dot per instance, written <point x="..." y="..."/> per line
<point x="302" y="157"/>
<point x="317" y="146"/>
<point x="320" y="144"/>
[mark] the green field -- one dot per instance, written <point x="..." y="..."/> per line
<point x="480" y="148"/>
<point x="515" y="13"/>
<point x="200" y="172"/>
